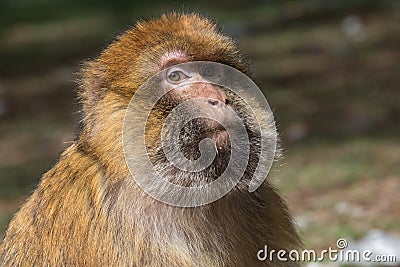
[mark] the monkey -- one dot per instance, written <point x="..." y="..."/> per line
<point x="88" y="211"/>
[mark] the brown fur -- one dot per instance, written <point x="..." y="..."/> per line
<point x="88" y="211"/>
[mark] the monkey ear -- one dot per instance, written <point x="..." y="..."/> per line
<point x="92" y="84"/>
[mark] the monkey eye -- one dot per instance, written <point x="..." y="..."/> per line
<point x="210" y="72"/>
<point x="176" y="76"/>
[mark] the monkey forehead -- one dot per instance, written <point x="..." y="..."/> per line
<point x="154" y="45"/>
<point x="173" y="58"/>
<point x="175" y="33"/>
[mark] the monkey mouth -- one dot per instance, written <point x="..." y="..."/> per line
<point x="199" y="129"/>
<point x="216" y="132"/>
<point x="220" y="138"/>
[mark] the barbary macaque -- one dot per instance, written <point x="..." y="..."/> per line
<point x="88" y="211"/>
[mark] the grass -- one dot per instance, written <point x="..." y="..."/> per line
<point x="342" y="189"/>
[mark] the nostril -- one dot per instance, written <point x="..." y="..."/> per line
<point x="227" y="102"/>
<point x="213" y="102"/>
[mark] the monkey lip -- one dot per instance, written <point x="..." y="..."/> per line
<point x="220" y="138"/>
<point x="217" y="133"/>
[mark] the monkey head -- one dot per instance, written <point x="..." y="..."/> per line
<point x="167" y="47"/>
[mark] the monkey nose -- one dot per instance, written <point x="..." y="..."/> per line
<point x="215" y="96"/>
<point x="213" y="102"/>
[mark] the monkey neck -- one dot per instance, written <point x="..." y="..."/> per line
<point x="239" y="217"/>
<point x="262" y="215"/>
<point x="238" y="220"/>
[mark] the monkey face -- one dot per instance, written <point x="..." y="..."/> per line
<point x="197" y="125"/>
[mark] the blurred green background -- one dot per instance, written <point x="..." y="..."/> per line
<point x="330" y="70"/>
